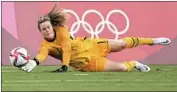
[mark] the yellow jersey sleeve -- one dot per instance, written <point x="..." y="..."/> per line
<point x="43" y="53"/>
<point x="65" y="43"/>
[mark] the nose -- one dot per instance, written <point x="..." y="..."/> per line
<point x="47" y="30"/>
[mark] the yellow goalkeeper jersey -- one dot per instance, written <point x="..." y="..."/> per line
<point x="62" y="43"/>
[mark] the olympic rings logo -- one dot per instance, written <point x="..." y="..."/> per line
<point x="100" y="26"/>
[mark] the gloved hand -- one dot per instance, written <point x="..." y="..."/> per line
<point x="30" y="65"/>
<point x="64" y="68"/>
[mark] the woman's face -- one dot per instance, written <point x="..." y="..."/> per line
<point x="47" y="30"/>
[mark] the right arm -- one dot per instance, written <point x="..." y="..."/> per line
<point x="40" y="57"/>
<point x="42" y="54"/>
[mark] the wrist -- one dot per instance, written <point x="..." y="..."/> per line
<point x="37" y="61"/>
<point x="64" y="67"/>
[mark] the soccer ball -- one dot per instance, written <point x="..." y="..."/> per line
<point x="19" y="57"/>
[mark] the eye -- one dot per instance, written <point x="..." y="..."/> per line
<point x="44" y="29"/>
<point x="48" y="27"/>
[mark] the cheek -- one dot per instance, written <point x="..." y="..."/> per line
<point x="43" y="33"/>
<point x="51" y="31"/>
<point x="52" y="34"/>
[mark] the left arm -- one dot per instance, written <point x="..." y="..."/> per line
<point x="65" y="45"/>
<point x="66" y="48"/>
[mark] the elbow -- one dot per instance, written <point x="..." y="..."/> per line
<point x="66" y="50"/>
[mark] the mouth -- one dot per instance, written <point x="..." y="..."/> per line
<point x="48" y="34"/>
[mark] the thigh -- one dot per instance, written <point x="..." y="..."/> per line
<point x="101" y="64"/>
<point x="79" y="63"/>
<point x="96" y="64"/>
<point x="113" y="66"/>
<point x="116" y="45"/>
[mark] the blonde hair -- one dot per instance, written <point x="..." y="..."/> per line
<point x="55" y="16"/>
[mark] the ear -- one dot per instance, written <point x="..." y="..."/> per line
<point x="39" y="28"/>
<point x="54" y="27"/>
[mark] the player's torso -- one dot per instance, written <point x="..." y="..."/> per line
<point x="54" y="47"/>
<point x="80" y="47"/>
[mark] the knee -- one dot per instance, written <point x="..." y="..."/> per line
<point x="123" y="68"/>
<point x="117" y="45"/>
<point x="121" y="43"/>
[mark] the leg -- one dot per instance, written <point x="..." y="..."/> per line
<point x="116" y="45"/>
<point x="130" y="42"/>
<point x="101" y="64"/>
<point x="112" y="66"/>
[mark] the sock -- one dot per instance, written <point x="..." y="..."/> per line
<point x="135" y="41"/>
<point x="130" y="65"/>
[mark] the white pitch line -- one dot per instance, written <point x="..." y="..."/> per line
<point x="81" y="74"/>
<point x="8" y="71"/>
<point x="151" y="80"/>
<point x="167" y="69"/>
<point x="171" y="65"/>
<point x="132" y="84"/>
<point x="31" y="81"/>
<point x="8" y="67"/>
<point x="163" y="84"/>
<point x="156" y="84"/>
<point x="19" y="84"/>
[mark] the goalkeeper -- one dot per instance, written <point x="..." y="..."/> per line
<point x="84" y="54"/>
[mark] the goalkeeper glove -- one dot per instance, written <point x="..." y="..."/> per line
<point x="64" y="68"/>
<point x="30" y="65"/>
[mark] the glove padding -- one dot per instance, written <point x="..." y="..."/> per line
<point x="29" y="66"/>
<point x="64" y="68"/>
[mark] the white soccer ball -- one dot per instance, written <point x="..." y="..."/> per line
<point x="19" y="57"/>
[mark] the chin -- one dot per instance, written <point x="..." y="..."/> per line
<point x="50" y="37"/>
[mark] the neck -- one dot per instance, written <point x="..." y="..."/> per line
<point x="51" y="40"/>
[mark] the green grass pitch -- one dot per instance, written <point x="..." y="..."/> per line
<point x="160" y="78"/>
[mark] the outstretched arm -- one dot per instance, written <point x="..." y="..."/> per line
<point x="41" y="56"/>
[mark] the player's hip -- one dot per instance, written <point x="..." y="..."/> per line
<point x="96" y="47"/>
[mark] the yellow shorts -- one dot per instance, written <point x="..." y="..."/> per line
<point x="96" y="65"/>
<point x="92" y="59"/>
<point x="102" y="46"/>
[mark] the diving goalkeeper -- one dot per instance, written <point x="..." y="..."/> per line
<point x="84" y="54"/>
